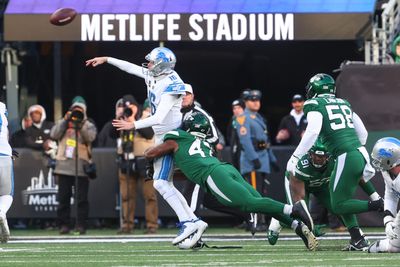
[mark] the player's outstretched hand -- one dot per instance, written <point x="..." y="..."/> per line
<point x="94" y="62"/>
<point x="123" y="125"/>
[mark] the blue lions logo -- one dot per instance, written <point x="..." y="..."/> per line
<point x="162" y="56"/>
<point x="384" y="153"/>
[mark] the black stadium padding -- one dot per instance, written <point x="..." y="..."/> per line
<point x="374" y="93"/>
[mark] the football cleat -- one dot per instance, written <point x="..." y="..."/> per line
<point x="253" y="223"/>
<point x="194" y="238"/>
<point x="201" y="228"/>
<point x="272" y="237"/>
<point x="300" y="211"/>
<point x="186" y="228"/>
<point x="360" y="245"/>
<point x="5" y="231"/>
<point x="307" y="236"/>
<point x="379" y="246"/>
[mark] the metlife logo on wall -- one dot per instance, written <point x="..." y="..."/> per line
<point x="193" y="27"/>
<point x="41" y="194"/>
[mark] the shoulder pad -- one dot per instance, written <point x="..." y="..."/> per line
<point x="241" y="119"/>
<point x="175" y="88"/>
<point x="311" y="102"/>
<point x="171" y="135"/>
<point x="310" y="105"/>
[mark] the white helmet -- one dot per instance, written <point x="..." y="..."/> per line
<point x="386" y="153"/>
<point x="162" y="61"/>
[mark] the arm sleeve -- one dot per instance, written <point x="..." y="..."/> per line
<point x="88" y="132"/>
<point x="127" y="67"/>
<point x="58" y="129"/>
<point x="147" y="133"/>
<point x="221" y="138"/>
<point x="282" y="124"/>
<point x="167" y="101"/>
<point x="361" y="131"/>
<point x="314" y="126"/>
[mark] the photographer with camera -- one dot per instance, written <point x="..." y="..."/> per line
<point x="75" y="134"/>
<point x="131" y="145"/>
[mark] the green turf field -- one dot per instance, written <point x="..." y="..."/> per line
<point x="141" y="250"/>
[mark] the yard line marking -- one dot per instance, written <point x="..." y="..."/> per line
<point x="165" y="239"/>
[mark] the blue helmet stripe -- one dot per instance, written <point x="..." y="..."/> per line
<point x="391" y="140"/>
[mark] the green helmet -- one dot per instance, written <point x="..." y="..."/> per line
<point x="319" y="154"/>
<point x="196" y="124"/>
<point x="320" y="83"/>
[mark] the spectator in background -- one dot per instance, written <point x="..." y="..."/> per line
<point x="146" y="112"/>
<point x="256" y="157"/>
<point x="103" y="138"/>
<point x="293" y="125"/>
<point x="395" y="49"/>
<point x="39" y="132"/>
<point x="132" y="167"/>
<point x="189" y="106"/>
<point x="64" y="131"/>
<point x="231" y="132"/>
<point x="18" y="139"/>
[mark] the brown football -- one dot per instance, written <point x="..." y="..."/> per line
<point x="62" y="16"/>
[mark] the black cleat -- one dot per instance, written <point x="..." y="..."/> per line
<point x="300" y="211"/>
<point x="360" y="245"/>
<point x="307" y="236"/>
<point x="376" y="205"/>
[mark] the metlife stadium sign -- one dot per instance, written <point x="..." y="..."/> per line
<point x="194" y="27"/>
<point x="189" y="20"/>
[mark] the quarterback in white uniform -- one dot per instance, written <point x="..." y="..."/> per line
<point x="6" y="175"/>
<point x="165" y="91"/>
<point x="386" y="159"/>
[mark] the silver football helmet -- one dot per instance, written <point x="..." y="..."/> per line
<point x="161" y="60"/>
<point x="386" y="154"/>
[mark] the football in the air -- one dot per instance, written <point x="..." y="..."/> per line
<point x="62" y="16"/>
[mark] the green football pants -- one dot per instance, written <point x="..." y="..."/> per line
<point x="343" y="184"/>
<point x="231" y="189"/>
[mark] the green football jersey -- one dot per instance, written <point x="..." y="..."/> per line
<point x="313" y="178"/>
<point x="193" y="157"/>
<point x="337" y="132"/>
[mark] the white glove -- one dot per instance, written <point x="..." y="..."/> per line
<point x="390" y="230"/>
<point x="292" y="163"/>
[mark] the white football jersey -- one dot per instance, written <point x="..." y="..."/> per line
<point x="5" y="148"/>
<point x="170" y="84"/>
<point x="392" y="191"/>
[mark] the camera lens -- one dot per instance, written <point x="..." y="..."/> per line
<point x="127" y="112"/>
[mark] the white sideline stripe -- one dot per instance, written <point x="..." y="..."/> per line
<point x="145" y="240"/>
<point x="214" y="188"/>
<point x="287" y="189"/>
<point x="341" y="159"/>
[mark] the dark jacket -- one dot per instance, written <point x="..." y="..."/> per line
<point x="35" y="137"/>
<point x="289" y="123"/>
<point x="104" y="139"/>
